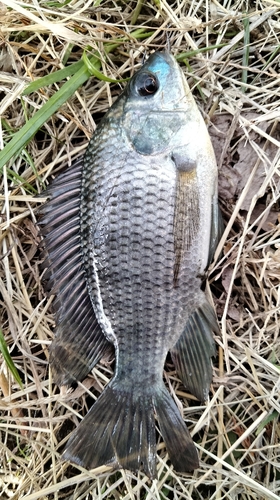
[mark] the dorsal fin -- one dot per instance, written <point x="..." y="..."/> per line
<point x="79" y="342"/>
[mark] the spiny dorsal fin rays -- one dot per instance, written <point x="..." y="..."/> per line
<point x="79" y="342"/>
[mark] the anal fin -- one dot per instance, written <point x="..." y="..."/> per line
<point x="193" y="351"/>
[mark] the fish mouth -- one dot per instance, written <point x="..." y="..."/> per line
<point x="168" y="59"/>
<point x="185" y="96"/>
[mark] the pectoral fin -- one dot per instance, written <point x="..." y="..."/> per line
<point x="186" y="216"/>
<point x="193" y="351"/>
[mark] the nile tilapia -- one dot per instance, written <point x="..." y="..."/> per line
<point x="128" y="233"/>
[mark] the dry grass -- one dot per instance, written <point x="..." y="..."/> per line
<point x="237" y="432"/>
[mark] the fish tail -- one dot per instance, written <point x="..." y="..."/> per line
<point x="119" y="431"/>
<point x="181" y="449"/>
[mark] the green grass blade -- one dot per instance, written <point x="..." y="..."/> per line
<point x="90" y="64"/>
<point x="198" y="87"/>
<point x="20" y="181"/>
<point x="25" y="134"/>
<point x="137" y="11"/>
<point x="191" y="53"/>
<point x="272" y="416"/>
<point x="8" y="360"/>
<point x="58" y="5"/>
<point x="271" y="57"/>
<point x="57" y="76"/>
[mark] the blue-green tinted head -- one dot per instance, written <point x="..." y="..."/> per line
<point x="155" y="76"/>
<point x="156" y="103"/>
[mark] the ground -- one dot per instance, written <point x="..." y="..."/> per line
<point x="229" y="51"/>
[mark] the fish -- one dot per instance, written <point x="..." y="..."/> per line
<point x="128" y="232"/>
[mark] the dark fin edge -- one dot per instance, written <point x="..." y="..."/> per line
<point x="119" y="431"/>
<point x="181" y="449"/>
<point x="217" y="229"/>
<point x="193" y="351"/>
<point x="79" y="342"/>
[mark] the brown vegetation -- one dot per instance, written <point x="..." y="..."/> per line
<point x="237" y="89"/>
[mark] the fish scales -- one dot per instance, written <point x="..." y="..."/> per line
<point x="133" y="252"/>
<point x="148" y="222"/>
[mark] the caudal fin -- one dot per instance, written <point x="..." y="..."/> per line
<point x="181" y="449"/>
<point x="119" y="431"/>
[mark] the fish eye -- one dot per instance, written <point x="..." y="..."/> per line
<point x="146" y="84"/>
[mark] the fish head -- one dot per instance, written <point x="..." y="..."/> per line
<point x="161" y="120"/>
<point x="159" y="85"/>
<point x="159" y="112"/>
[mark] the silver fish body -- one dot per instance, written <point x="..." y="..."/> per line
<point x="143" y="223"/>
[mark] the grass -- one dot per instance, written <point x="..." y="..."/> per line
<point x="50" y="101"/>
